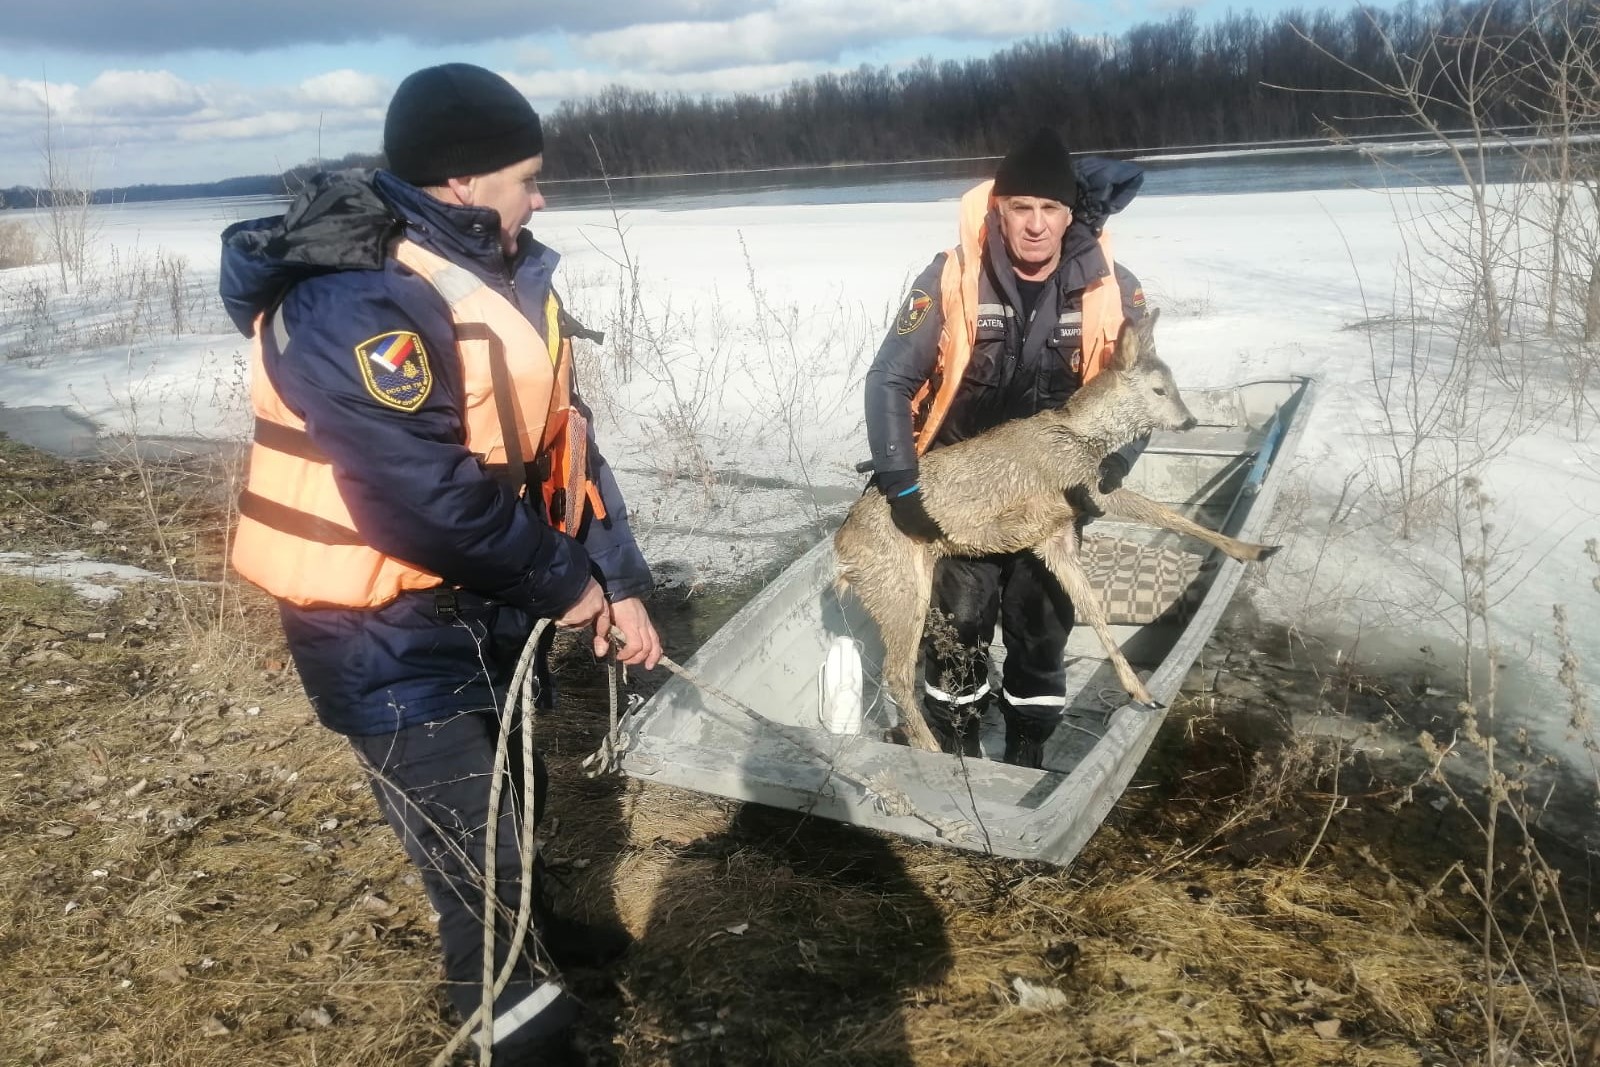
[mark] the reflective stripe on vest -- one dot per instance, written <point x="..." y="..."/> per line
<point x="297" y="540"/>
<point x="958" y="291"/>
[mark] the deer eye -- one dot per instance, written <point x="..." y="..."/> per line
<point x="1161" y="392"/>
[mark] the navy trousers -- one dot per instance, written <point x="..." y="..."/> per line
<point x="432" y="782"/>
<point x="1035" y="616"/>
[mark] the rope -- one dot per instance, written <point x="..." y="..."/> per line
<point x="607" y="759"/>
<point x="880" y="791"/>
<point x="522" y="692"/>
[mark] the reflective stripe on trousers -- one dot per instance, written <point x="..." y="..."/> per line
<point x="954" y="700"/>
<point x="523" y="1015"/>
<point x="1034" y="616"/>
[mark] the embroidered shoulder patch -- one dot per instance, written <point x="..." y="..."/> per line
<point x="395" y="367"/>
<point x="916" y="309"/>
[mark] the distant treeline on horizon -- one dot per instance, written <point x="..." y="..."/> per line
<point x="1241" y="78"/>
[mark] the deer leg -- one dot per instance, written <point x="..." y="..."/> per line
<point x="901" y="627"/>
<point x="1060" y="556"/>
<point x="1126" y="504"/>
<point x="894" y="585"/>
<point x="892" y="576"/>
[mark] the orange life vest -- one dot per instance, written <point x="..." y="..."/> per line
<point x="958" y="290"/>
<point x="296" y="538"/>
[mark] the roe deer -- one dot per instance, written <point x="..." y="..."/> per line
<point x="1022" y="486"/>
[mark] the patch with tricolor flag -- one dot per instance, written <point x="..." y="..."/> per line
<point x="916" y="309"/>
<point x="395" y="367"/>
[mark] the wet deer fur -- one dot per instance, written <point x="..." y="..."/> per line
<point x="1022" y="486"/>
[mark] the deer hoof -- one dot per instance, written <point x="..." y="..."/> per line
<point x="1267" y="551"/>
<point x="912" y="737"/>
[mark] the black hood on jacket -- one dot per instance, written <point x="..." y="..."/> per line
<point x="338" y="222"/>
<point x="1105" y="187"/>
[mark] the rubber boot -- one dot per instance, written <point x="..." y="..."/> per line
<point x="957" y="727"/>
<point x="558" y="1051"/>
<point x="534" y="1026"/>
<point x="1027" y="730"/>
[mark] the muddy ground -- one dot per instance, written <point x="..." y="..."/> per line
<point x="196" y="873"/>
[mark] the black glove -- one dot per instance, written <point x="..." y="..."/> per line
<point x="906" y="507"/>
<point x="1112" y="470"/>
<point x="911" y="516"/>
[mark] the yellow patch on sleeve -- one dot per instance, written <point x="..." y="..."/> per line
<point x="394" y="366"/>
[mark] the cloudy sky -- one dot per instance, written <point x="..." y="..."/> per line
<point x="197" y="90"/>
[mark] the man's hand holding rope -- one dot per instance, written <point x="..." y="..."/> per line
<point x="640" y="644"/>
<point x="591" y="609"/>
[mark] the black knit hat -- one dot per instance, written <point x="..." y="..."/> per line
<point x="1040" y="166"/>
<point x="456" y="121"/>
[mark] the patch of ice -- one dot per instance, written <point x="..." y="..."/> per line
<point x="85" y="577"/>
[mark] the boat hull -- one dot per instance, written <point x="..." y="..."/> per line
<point x="1226" y="473"/>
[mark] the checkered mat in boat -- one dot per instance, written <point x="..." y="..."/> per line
<point x="1141" y="584"/>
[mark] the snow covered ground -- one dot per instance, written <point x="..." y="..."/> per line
<point x="729" y="391"/>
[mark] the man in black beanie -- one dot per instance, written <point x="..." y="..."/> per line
<point x="462" y="123"/>
<point x="424" y="486"/>
<point x="1042" y="299"/>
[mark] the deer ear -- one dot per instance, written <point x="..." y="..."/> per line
<point x="1130" y="341"/>
<point x="1151" y="318"/>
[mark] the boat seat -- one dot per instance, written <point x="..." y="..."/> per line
<point x="1206" y="441"/>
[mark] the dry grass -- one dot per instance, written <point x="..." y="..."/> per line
<point x="1188" y="933"/>
<point x="198" y="875"/>
<point x="195" y="865"/>
<point x="191" y="860"/>
<point x="18" y="245"/>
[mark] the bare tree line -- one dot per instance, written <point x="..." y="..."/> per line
<point x="1160" y="84"/>
<point x="1241" y="78"/>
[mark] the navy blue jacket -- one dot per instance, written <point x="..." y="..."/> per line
<point x="1019" y="366"/>
<point x="413" y="489"/>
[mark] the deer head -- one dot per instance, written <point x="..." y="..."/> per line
<point x="1148" y="380"/>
